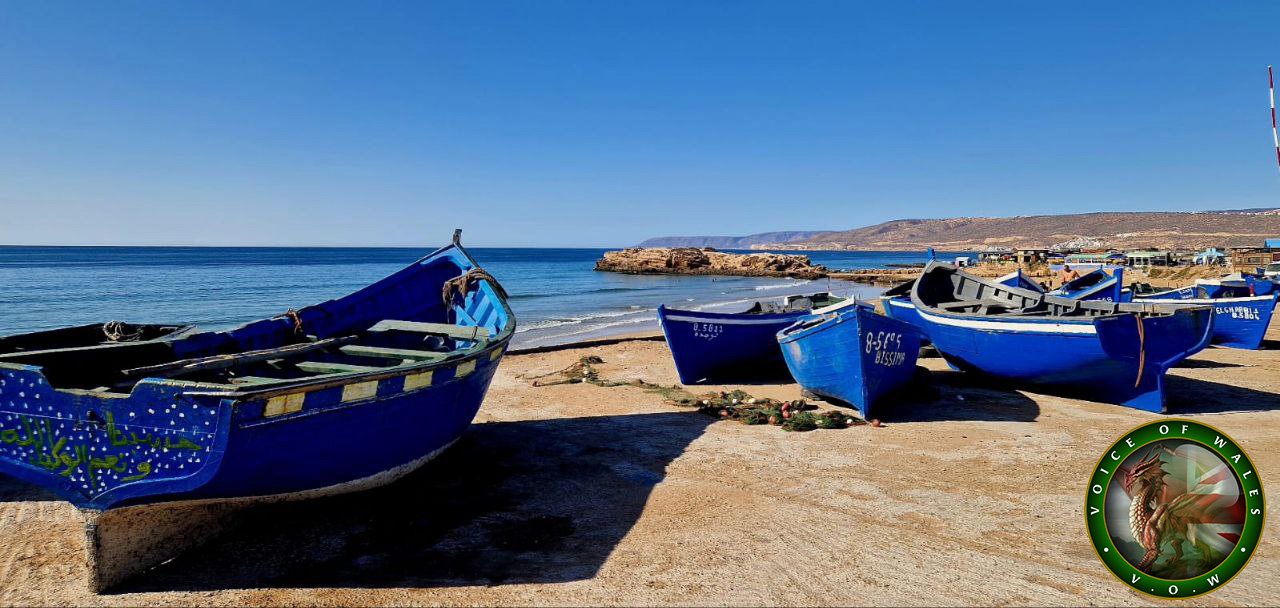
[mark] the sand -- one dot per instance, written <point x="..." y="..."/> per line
<point x="580" y="494"/>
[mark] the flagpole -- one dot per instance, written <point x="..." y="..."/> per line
<point x="1275" y="136"/>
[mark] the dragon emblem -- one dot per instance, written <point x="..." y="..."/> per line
<point x="1161" y="516"/>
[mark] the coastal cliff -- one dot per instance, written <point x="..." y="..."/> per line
<point x="691" y="260"/>
<point x="1120" y="230"/>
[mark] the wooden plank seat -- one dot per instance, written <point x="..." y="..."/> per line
<point x="260" y="380"/>
<point x="217" y="362"/>
<point x="392" y="353"/>
<point x="962" y="304"/>
<point x="322" y="367"/>
<point x="457" y="332"/>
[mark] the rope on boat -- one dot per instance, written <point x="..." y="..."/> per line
<point x="460" y="286"/>
<point x="297" y="321"/>
<point x="1142" y="350"/>
<point x="115" y="331"/>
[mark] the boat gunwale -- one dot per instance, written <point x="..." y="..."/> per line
<point x="663" y="311"/>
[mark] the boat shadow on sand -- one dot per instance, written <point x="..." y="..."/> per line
<point x="1197" y="396"/>
<point x="512" y="502"/>
<point x="941" y="396"/>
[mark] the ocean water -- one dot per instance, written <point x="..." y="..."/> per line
<point x="555" y="293"/>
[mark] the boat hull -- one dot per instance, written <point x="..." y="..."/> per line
<point x="1238" y="322"/>
<point x="855" y="357"/>
<point x="1105" y="359"/>
<point x="710" y="348"/>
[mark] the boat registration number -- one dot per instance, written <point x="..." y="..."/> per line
<point x="1239" y="312"/>
<point x="887" y="346"/>
<point x="707" y="331"/>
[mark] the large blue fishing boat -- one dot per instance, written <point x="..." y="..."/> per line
<point x="714" y="347"/>
<point x="851" y="355"/>
<point x="339" y="396"/>
<point x="1107" y="351"/>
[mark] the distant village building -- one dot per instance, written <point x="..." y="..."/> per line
<point x="993" y="255"/>
<point x="1250" y="257"/>
<point x="1095" y="259"/>
<point x="1029" y="257"/>
<point x="1148" y="259"/>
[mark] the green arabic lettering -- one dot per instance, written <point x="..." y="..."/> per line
<point x="183" y="444"/>
<point x="144" y="469"/>
<point x="67" y="460"/>
<point x="114" y="434"/>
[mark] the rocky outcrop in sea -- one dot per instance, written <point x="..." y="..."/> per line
<point x="692" y="260"/>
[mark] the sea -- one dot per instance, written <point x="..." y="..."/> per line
<point x="556" y="294"/>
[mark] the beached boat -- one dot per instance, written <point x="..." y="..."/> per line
<point x="1240" y="321"/>
<point x="1017" y="279"/>
<point x="1106" y="351"/>
<point x="852" y="355"/>
<point x="339" y="396"/>
<point x="110" y="333"/>
<point x="1096" y="285"/>
<point x="713" y="347"/>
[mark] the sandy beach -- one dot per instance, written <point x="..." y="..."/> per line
<point x="581" y="494"/>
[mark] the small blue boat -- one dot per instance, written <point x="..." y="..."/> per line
<point x="1017" y="279"/>
<point x="1106" y="351"/>
<point x="713" y="347"/>
<point x="852" y="355"/>
<point x="1096" y="285"/>
<point x="336" y="397"/>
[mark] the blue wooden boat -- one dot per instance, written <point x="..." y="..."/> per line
<point x="851" y="355"/>
<point x="713" y="347"/>
<point x="1096" y="285"/>
<point x="1017" y="279"/>
<point x="339" y="396"/>
<point x="1239" y="321"/>
<point x="1106" y="351"/>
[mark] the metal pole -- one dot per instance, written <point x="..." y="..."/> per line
<point x="1275" y="136"/>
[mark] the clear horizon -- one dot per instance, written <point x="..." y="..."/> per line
<point x="585" y="125"/>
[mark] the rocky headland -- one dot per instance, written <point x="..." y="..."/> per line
<point x="707" y="261"/>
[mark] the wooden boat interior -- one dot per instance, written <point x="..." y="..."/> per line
<point x="944" y="288"/>
<point x="797" y="303"/>
<point x="109" y="333"/>
<point x="402" y="320"/>
<point x="385" y="346"/>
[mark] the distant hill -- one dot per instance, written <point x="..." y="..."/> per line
<point x="732" y="242"/>
<point x="1157" y="229"/>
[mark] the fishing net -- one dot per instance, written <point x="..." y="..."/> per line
<point x="739" y="405"/>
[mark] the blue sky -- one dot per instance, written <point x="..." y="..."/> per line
<point x="603" y="123"/>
